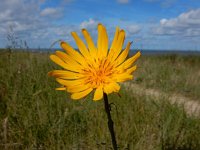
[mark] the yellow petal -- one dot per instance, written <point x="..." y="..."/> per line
<point x="111" y="87"/>
<point x="68" y="83"/>
<point x="83" y="49"/>
<point x="114" y="42"/>
<point x="108" y="88"/>
<point x="118" y="45"/>
<point x="129" y="61"/>
<point x="90" y="43"/>
<point x="77" y="88"/>
<point x="73" y="53"/>
<point x="61" y="63"/>
<point x="82" y="94"/>
<point x="123" y="55"/>
<point x="66" y="58"/>
<point x="102" y="42"/>
<point x="130" y="70"/>
<point x="65" y="74"/>
<point x="98" y="94"/>
<point x="122" y="77"/>
<point x="61" y="89"/>
<point x="58" y="61"/>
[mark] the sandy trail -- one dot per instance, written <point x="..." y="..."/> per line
<point x="191" y="107"/>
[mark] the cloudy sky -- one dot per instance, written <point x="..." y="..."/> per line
<point x="150" y="24"/>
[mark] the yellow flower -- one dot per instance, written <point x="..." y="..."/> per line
<point x="94" y="68"/>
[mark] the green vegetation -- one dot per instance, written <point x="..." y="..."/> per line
<point x="171" y="73"/>
<point x="35" y="116"/>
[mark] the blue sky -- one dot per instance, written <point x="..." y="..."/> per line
<point x="150" y="24"/>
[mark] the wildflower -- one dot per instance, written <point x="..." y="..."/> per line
<point x="94" y="67"/>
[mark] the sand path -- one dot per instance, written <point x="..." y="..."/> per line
<point x="191" y="107"/>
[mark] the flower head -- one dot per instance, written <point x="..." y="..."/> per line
<point x="94" y="67"/>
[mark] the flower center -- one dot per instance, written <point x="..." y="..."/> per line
<point x="99" y="73"/>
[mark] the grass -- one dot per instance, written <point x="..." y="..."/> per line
<point x="171" y="74"/>
<point x="35" y="116"/>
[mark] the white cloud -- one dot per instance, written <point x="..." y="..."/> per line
<point x="5" y="16"/>
<point x="123" y="1"/>
<point x="10" y="2"/>
<point x="18" y="14"/>
<point x="186" y="24"/>
<point x="50" y="12"/>
<point x="90" y="24"/>
<point x="24" y="16"/>
<point x="133" y="29"/>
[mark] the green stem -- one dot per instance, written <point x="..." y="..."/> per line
<point x="110" y="122"/>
